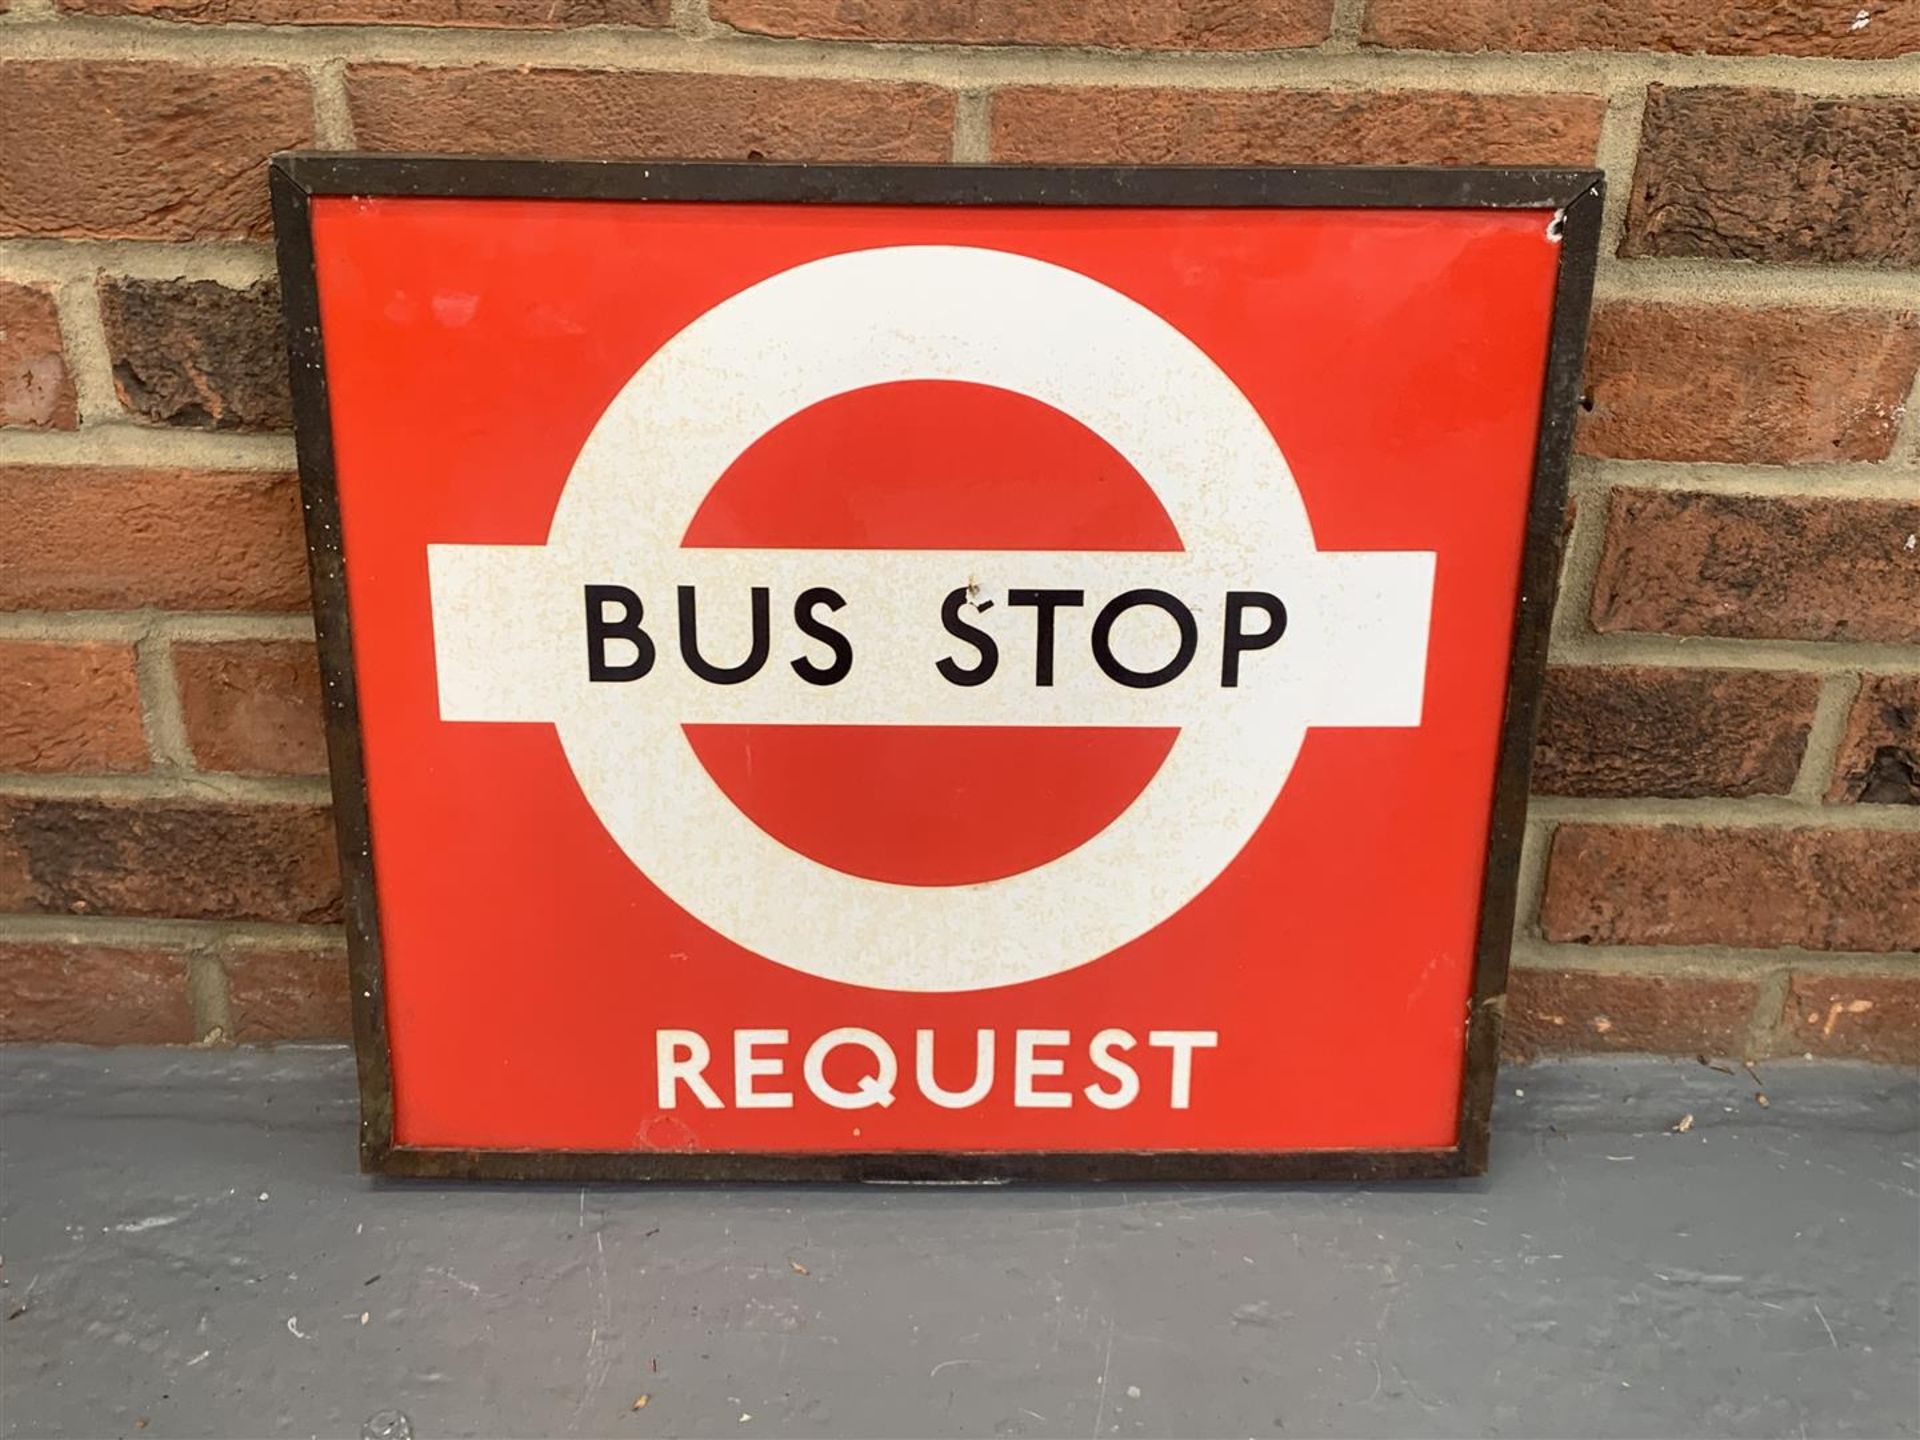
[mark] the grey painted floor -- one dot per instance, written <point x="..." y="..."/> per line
<point x="187" y="1247"/>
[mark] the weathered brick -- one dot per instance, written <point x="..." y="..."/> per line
<point x="472" y="14"/>
<point x="35" y="388"/>
<point x="1582" y="1011"/>
<point x="92" y="995"/>
<point x="69" y="707"/>
<point x="626" y="113"/>
<point x="288" y="995"/>
<point x="1144" y="126"/>
<point x="1760" y="567"/>
<point x="1843" y="29"/>
<point x="173" y="858"/>
<point x="1856" y="1017"/>
<point x="1649" y="730"/>
<point x="1772" y="175"/>
<point x="1113" y="24"/>
<point x="120" y="539"/>
<point x="1753" y="886"/>
<point x="1745" y="384"/>
<point x="1879" y="760"/>
<point x="198" y="354"/>
<point x="146" y="149"/>
<point x="253" y="706"/>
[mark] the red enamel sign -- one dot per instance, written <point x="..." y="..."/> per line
<point x="863" y="688"/>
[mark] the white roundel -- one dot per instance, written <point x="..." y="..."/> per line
<point x="508" y="620"/>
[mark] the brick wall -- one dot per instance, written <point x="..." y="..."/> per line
<point x="1724" y="853"/>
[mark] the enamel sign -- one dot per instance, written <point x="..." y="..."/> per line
<point x="930" y="674"/>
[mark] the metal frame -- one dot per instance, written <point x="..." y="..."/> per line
<point x="1576" y="196"/>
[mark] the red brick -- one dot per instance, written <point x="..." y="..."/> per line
<point x="1752" y="886"/>
<point x="1745" y="384"/>
<point x="1736" y="174"/>
<point x="1759" y="567"/>
<point x="1144" y="126"/>
<point x="1114" y="24"/>
<point x="145" y="149"/>
<point x="253" y="706"/>
<point x="626" y="113"/>
<point x="92" y="995"/>
<point x="120" y="539"/>
<point x="35" y="388"/>
<point x="1649" y="730"/>
<point x="473" y="14"/>
<point x="1561" y="1012"/>
<point x="1879" y="760"/>
<point x="1715" y="27"/>
<point x="1855" y="1017"/>
<point x="170" y="858"/>
<point x="69" y="707"/>
<point x="198" y="354"/>
<point x="289" y="995"/>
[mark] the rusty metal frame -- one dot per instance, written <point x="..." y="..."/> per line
<point x="1575" y="195"/>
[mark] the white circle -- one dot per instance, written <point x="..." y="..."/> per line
<point x="934" y="313"/>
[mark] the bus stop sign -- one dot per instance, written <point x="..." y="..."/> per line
<point x="848" y="672"/>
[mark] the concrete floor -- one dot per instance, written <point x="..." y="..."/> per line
<point x="188" y="1251"/>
